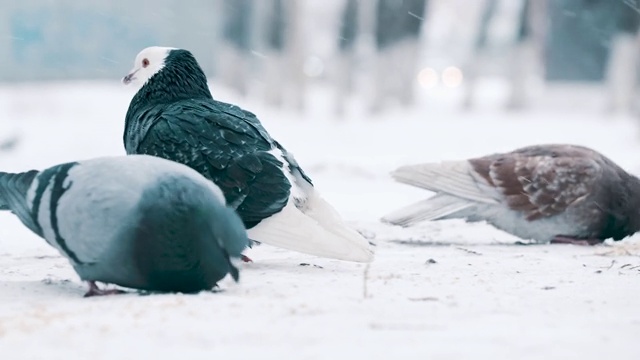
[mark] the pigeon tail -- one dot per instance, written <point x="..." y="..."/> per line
<point x="316" y="230"/>
<point x="455" y="178"/>
<point x="14" y="187"/>
<point x="434" y="208"/>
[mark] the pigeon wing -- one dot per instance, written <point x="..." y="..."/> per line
<point x="541" y="183"/>
<point x="227" y="146"/>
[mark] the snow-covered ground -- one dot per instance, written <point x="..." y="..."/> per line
<point x="443" y="290"/>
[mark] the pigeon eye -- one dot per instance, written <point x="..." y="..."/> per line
<point x="145" y="62"/>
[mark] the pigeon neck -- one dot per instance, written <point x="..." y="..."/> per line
<point x="170" y="85"/>
<point x="629" y="199"/>
<point x="633" y="194"/>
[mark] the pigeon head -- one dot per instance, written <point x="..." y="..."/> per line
<point x="148" y="63"/>
<point x="165" y="74"/>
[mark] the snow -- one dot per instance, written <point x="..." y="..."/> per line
<point x="441" y="290"/>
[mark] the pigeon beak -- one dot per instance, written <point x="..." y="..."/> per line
<point x="129" y="78"/>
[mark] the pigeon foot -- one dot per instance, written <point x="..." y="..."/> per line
<point x="94" y="290"/>
<point x="245" y="258"/>
<point x="574" y="241"/>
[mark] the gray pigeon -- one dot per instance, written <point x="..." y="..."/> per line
<point x="136" y="221"/>
<point x="546" y="193"/>
<point x="174" y="116"/>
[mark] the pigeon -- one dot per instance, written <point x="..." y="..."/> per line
<point x="554" y="193"/>
<point x="174" y="116"/>
<point x="136" y="221"/>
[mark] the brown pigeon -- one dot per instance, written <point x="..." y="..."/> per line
<point x="547" y="193"/>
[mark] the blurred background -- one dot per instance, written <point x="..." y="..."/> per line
<point x="379" y="53"/>
<point x="463" y="70"/>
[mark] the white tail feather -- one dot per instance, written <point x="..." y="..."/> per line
<point x="318" y="231"/>
<point x="452" y="177"/>
<point x="433" y="208"/>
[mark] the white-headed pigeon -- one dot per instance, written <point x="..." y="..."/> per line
<point x="174" y="116"/>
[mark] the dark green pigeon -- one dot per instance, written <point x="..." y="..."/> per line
<point x="174" y="116"/>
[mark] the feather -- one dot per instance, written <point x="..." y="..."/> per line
<point x="433" y="208"/>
